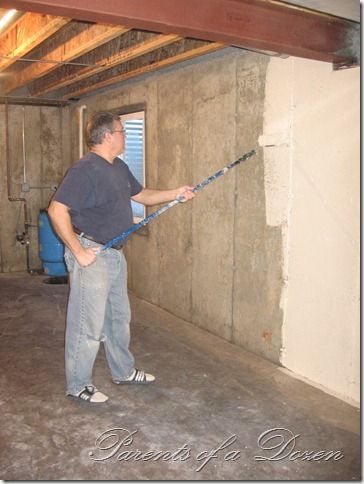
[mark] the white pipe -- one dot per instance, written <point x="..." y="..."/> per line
<point x="80" y="130"/>
<point x="23" y="138"/>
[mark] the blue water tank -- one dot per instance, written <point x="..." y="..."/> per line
<point x="51" y="248"/>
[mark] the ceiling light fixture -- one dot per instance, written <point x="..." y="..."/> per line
<point x="6" y="18"/>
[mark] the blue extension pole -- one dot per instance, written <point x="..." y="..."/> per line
<point x="180" y="199"/>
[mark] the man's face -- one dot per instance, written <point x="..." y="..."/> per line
<point x="118" y="138"/>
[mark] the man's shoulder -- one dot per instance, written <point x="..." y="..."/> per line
<point x="88" y="163"/>
<point x="119" y="162"/>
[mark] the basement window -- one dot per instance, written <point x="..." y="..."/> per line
<point x="133" y="155"/>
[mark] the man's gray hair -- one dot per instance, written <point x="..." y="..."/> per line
<point x="98" y="125"/>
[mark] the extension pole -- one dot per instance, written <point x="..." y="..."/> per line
<point x="180" y="199"/>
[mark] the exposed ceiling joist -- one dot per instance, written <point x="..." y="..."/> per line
<point x="70" y="57"/>
<point x="72" y="75"/>
<point x="31" y="101"/>
<point x="256" y="24"/>
<point x="78" y="39"/>
<point x="30" y="31"/>
<point x="180" y="51"/>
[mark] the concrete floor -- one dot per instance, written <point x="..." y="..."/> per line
<point x="207" y="392"/>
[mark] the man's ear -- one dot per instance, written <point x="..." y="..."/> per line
<point x="107" y="137"/>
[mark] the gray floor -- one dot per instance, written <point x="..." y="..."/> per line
<point x="208" y="394"/>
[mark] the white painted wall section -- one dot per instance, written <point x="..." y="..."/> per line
<point x="312" y="174"/>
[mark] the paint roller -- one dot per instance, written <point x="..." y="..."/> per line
<point x="119" y="239"/>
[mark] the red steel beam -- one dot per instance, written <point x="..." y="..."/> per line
<point x="268" y="25"/>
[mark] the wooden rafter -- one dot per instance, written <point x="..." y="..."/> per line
<point x="184" y="50"/>
<point x="270" y="25"/>
<point x="31" y="101"/>
<point x="83" y="38"/>
<point x="124" y="55"/>
<point x="26" y="34"/>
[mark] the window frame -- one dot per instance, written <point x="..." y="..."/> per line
<point x="130" y="115"/>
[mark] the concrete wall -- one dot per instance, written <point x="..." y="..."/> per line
<point x="47" y="154"/>
<point x="268" y="256"/>
<point x="213" y="262"/>
<point x="312" y="176"/>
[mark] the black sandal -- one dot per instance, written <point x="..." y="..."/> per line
<point x="138" y="377"/>
<point x="90" y="394"/>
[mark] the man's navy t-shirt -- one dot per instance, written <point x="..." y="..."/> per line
<point x="98" y="195"/>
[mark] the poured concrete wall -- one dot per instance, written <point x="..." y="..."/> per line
<point x="312" y="177"/>
<point x="214" y="261"/>
<point x="266" y="257"/>
<point x="46" y="155"/>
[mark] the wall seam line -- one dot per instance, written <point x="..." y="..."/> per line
<point x="235" y="197"/>
<point x="286" y="228"/>
<point x="191" y="206"/>
<point x="157" y="240"/>
<point x="191" y="210"/>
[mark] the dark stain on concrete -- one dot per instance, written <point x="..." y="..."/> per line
<point x="267" y="336"/>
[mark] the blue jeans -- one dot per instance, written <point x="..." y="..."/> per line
<point x="98" y="310"/>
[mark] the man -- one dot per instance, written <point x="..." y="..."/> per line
<point x="92" y="206"/>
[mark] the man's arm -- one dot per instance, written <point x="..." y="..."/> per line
<point x="153" y="197"/>
<point x="61" y="220"/>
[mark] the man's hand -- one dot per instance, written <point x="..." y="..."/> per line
<point x="185" y="192"/>
<point x="153" y="197"/>
<point x="86" y="256"/>
<point x="61" y="220"/>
